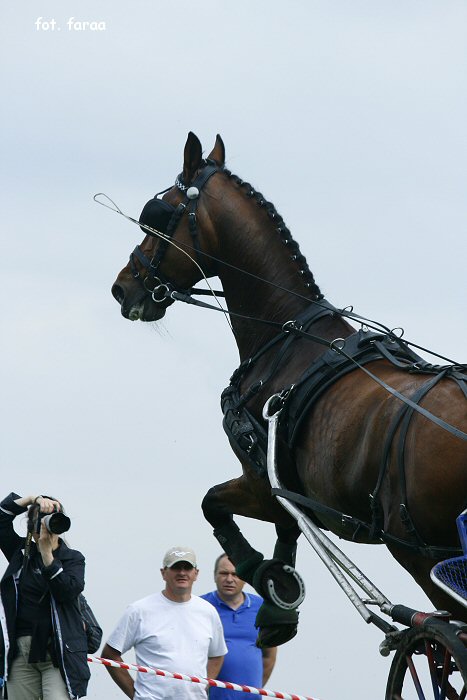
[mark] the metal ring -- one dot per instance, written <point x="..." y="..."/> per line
<point x="149" y="291"/>
<point x="337" y="344"/>
<point x="291" y="326"/>
<point x="285" y="325"/>
<point x="397" y="328"/>
<point x="156" y="289"/>
<point x="156" y="283"/>
<point x="266" y="414"/>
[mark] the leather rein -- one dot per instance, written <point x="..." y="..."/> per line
<point x="163" y="291"/>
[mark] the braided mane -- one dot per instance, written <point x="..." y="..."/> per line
<point x="282" y="230"/>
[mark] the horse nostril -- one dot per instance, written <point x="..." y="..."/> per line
<point x="118" y="293"/>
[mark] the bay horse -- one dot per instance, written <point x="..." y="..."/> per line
<point x="368" y="466"/>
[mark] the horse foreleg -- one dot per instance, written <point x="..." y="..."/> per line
<point x="240" y="497"/>
<point x="218" y="506"/>
<point x="286" y="543"/>
<point x="276" y="580"/>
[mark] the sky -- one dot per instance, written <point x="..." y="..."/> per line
<point x="350" y="117"/>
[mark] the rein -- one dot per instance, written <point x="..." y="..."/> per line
<point x="163" y="290"/>
<point x="173" y="294"/>
<point x="338" y="345"/>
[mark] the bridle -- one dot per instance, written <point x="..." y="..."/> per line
<point x="164" y="291"/>
<point x="155" y="283"/>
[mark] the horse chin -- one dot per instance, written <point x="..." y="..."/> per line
<point x="155" y="313"/>
<point x="145" y="312"/>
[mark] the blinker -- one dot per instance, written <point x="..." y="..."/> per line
<point x="156" y="214"/>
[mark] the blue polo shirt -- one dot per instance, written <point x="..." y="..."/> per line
<point x="244" y="662"/>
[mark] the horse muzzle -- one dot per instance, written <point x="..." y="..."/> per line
<point x="141" y="307"/>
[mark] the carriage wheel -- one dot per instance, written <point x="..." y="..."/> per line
<point x="431" y="662"/>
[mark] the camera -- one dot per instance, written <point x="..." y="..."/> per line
<point x="56" y="522"/>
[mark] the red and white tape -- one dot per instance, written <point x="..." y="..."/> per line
<point x="203" y="681"/>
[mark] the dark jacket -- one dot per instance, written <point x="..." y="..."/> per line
<point x="65" y="580"/>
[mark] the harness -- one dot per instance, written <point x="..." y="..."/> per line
<point x="250" y="438"/>
<point x="248" y="435"/>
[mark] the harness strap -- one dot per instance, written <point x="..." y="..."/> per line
<point x="144" y="260"/>
<point x="189" y="205"/>
<point x="303" y="321"/>
<point x="206" y="292"/>
<point x="392" y="359"/>
<point x="462" y="384"/>
<point x="322" y="374"/>
<point x="164" y="243"/>
<point x="429" y="552"/>
<point x="362" y="348"/>
<point x="404" y="414"/>
<point x="409" y="412"/>
<point x="427" y="414"/>
<point x="199" y="182"/>
<point x="245" y="433"/>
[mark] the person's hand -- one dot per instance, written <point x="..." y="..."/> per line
<point x="47" y="505"/>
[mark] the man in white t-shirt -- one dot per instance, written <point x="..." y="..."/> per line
<point x="171" y="630"/>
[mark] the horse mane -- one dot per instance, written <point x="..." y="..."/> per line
<point x="282" y="230"/>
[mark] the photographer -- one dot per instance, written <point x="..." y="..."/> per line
<point x="43" y="647"/>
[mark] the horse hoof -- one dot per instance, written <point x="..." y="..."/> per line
<point x="276" y="626"/>
<point x="280" y="584"/>
<point x="275" y="636"/>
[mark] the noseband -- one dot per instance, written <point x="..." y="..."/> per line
<point x="164" y="217"/>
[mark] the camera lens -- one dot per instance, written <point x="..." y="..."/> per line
<point x="57" y="523"/>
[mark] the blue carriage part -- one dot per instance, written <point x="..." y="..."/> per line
<point x="451" y="575"/>
<point x="461" y="523"/>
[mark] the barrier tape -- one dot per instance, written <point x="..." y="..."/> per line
<point x="203" y="681"/>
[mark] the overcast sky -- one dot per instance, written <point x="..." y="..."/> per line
<point x="350" y="117"/>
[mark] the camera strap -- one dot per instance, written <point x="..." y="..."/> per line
<point x="27" y="552"/>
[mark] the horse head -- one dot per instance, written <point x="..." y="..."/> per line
<point x="180" y="240"/>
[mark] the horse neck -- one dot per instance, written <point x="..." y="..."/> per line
<point x="274" y="288"/>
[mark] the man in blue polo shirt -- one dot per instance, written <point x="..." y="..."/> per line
<point x="245" y="664"/>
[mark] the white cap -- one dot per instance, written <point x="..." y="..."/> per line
<point x="179" y="553"/>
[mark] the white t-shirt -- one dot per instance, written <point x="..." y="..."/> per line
<point x="175" y="637"/>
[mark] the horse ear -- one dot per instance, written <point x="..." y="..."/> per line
<point x="218" y="152"/>
<point x="191" y="157"/>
